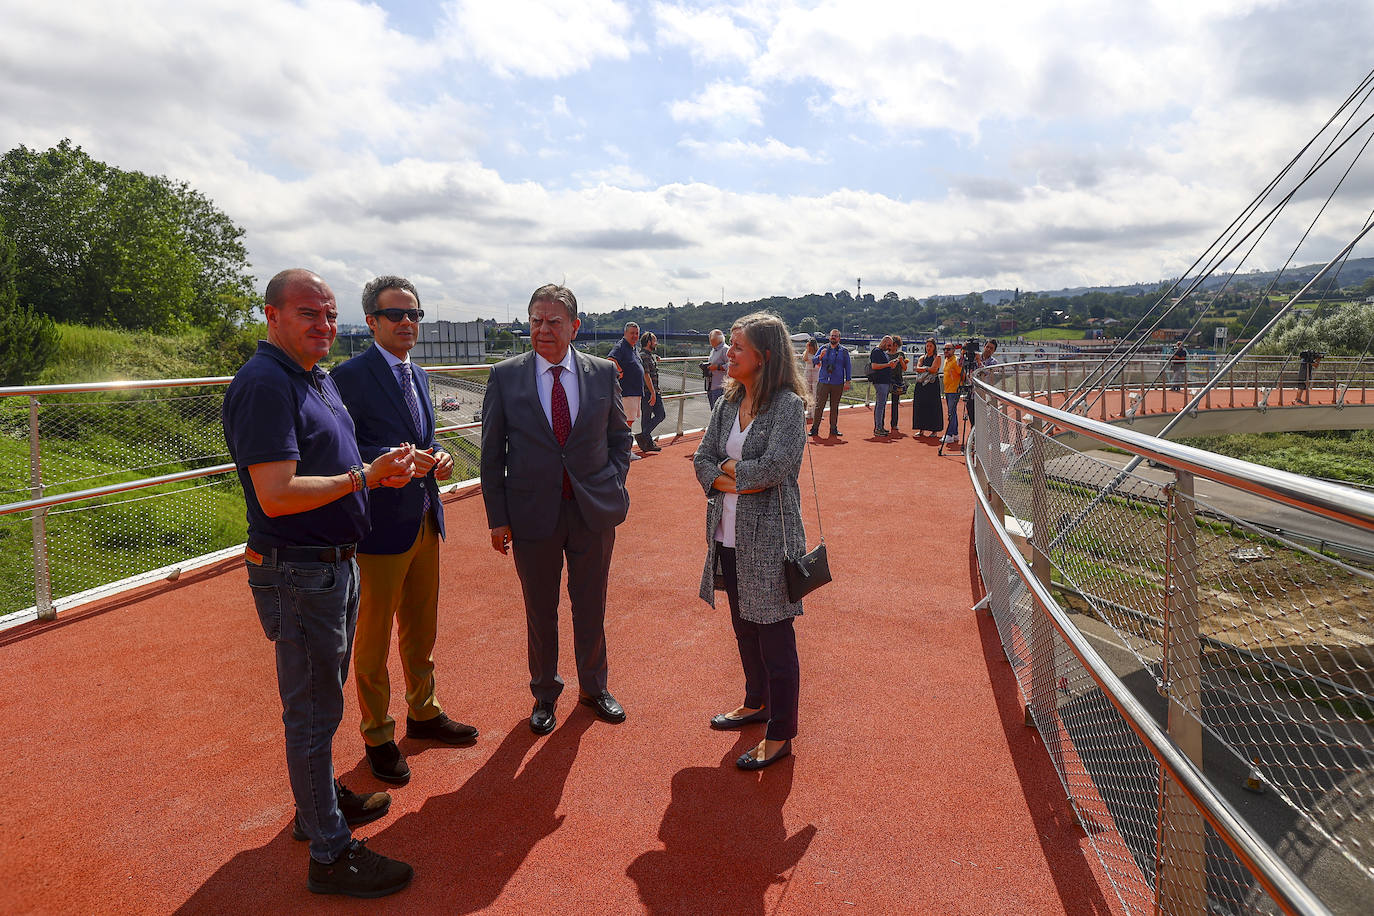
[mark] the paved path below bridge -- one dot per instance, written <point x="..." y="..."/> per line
<point x="142" y="748"/>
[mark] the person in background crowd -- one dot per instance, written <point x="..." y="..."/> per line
<point x="898" y="380"/>
<point x="387" y="396"/>
<point x="551" y="497"/>
<point x="652" y="410"/>
<point x="835" y="377"/>
<point x="306" y="488"/>
<point x="953" y="378"/>
<point x="880" y="363"/>
<point x="1307" y="368"/>
<point x="747" y="464"/>
<point x="631" y="372"/>
<point x="811" y="373"/>
<point x="716" y="363"/>
<point x="989" y="355"/>
<point x="925" y="400"/>
<point x="1178" y="364"/>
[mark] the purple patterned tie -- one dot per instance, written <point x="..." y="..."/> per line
<point x="407" y="380"/>
<point x="562" y="421"/>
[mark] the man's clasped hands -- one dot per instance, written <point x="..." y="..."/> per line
<point x="400" y="465"/>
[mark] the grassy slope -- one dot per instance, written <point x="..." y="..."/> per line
<point x="1342" y="455"/>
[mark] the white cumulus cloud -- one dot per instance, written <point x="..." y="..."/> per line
<point x="721" y="102"/>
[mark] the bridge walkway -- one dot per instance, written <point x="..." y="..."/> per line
<point x="143" y="748"/>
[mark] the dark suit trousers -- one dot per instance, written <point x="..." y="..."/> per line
<point x="768" y="652"/>
<point x="540" y="567"/>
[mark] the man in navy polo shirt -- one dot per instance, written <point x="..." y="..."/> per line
<point x="306" y="491"/>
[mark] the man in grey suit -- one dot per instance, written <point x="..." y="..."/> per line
<point x="555" y="452"/>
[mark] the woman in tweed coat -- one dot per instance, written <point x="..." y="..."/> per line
<point x="747" y="464"/>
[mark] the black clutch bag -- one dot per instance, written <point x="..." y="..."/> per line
<point x="811" y="570"/>
<point x="807" y="573"/>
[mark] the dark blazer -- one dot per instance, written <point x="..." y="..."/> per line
<point x="522" y="464"/>
<point x="372" y="394"/>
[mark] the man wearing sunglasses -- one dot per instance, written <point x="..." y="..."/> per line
<point x="388" y="398"/>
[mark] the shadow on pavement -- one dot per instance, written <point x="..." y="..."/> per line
<point x="725" y="842"/>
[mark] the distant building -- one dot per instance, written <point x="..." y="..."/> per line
<point x="451" y="342"/>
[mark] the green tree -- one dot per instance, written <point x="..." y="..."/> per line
<point x="95" y="244"/>
<point x="809" y="325"/>
<point x="28" y="341"/>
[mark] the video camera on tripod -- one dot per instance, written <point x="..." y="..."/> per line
<point x="968" y="361"/>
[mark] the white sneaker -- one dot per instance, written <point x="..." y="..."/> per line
<point x="634" y="457"/>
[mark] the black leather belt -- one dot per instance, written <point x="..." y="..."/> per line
<point x="307" y="554"/>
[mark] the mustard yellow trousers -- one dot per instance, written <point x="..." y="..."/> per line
<point x="403" y="587"/>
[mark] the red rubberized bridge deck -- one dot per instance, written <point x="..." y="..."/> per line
<point x="144" y="769"/>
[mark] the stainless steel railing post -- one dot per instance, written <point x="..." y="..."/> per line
<point x="1180" y="849"/>
<point x="42" y="578"/>
<point x="682" y="402"/>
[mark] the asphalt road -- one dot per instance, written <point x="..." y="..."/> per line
<point x="1341" y="885"/>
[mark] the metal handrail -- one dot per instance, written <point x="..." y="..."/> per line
<point x="1333" y="501"/>
<point x="109" y="489"/>
<point x="1273" y="874"/>
<point x="126" y="385"/>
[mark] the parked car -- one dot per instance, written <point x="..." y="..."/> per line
<point x="449" y="403"/>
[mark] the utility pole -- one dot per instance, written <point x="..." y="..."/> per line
<point x="860" y="296"/>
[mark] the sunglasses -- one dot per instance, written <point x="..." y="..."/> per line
<point x="397" y="314"/>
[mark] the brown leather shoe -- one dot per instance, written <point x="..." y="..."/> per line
<point x="388" y="763"/>
<point x="441" y="728"/>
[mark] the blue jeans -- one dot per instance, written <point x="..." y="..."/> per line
<point x="880" y="391"/>
<point x="713" y="395"/>
<point x="309" y="611"/>
<point x="952" y="408"/>
<point x="651" y="415"/>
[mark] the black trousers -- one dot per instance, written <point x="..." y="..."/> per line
<point x="768" y="652"/>
<point x="896" y="397"/>
<point x="540" y="567"/>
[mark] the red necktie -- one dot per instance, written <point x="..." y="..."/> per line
<point x="562" y="421"/>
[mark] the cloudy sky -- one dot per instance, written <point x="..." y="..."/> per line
<point x="672" y="151"/>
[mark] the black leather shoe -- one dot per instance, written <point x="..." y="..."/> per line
<point x="542" y="720"/>
<point x="356" y="809"/>
<point x="441" y="728"/>
<point x="748" y="761"/>
<point x="605" y="705"/>
<point x="726" y="723"/>
<point x="388" y="763"/>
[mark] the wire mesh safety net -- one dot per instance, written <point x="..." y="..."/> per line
<point x="1270" y="653"/>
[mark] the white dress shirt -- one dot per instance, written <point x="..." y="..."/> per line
<point x="544" y="379"/>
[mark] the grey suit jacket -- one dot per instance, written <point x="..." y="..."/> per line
<point x="522" y="463"/>
<point x="772" y="459"/>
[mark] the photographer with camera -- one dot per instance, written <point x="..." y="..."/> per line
<point x="836" y="375"/>
<point x="1310" y="360"/>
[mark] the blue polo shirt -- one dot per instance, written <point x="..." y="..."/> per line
<point x="632" y="377"/>
<point x="276" y="411"/>
<point x="835" y="365"/>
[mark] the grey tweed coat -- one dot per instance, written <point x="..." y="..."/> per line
<point x="772" y="459"/>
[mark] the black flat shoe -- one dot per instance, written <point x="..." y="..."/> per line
<point x="542" y="719"/>
<point x="724" y="722"/>
<point x="748" y="761"/>
<point x="605" y="705"/>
